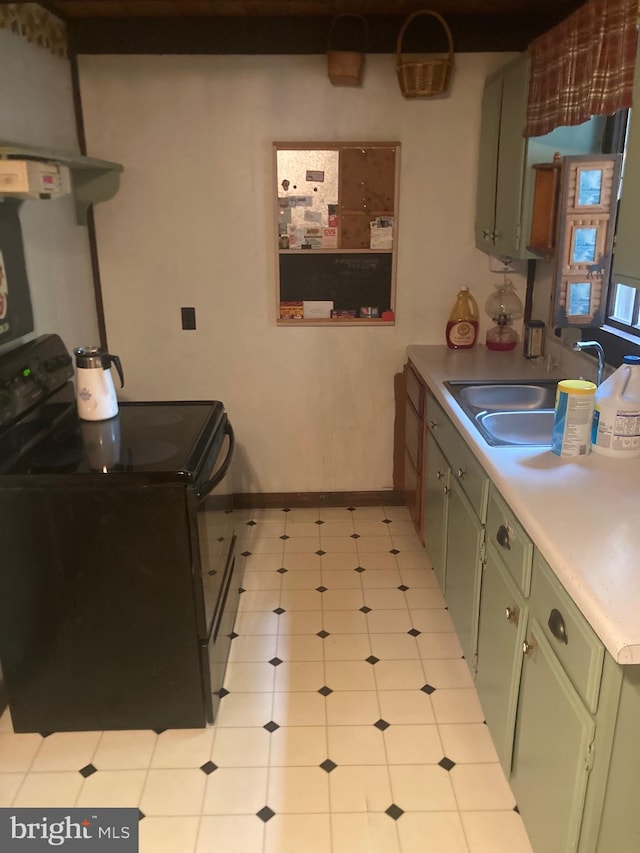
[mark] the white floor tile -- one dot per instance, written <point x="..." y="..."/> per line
<point x="261" y="599"/>
<point x="301" y="580"/>
<point x="389" y="621"/>
<point x="302" y="545"/>
<point x="300" y="622"/>
<point x="443" y="829"/>
<point x="394" y="647"/>
<point x="168" y="834"/>
<point x="253" y="649"/>
<point x="468" y="743"/>
<point x="348" y="708"/>
<point x="124" y="750"/>
<point x="441" y="646"/>
<point x="300" y="675"/>
<point x="356" y="745"/>
<point x="420" y="787"/>
<point x="173" y="792"/>
<point x="385" y="599"/>
<point x="66" y="751"/>
<point x="247" y="746"/>
<point x="48" y="790"/>
<point x="300" y="599"/>
<point x="18" y="751"/>
<point x="447" y="673"/>
<point x="261" y="580"/>
<point x="399" y="675"/>
<point x="342" y="599"/>
<point x="481" y="786"/>
<point x="294" y="833"/>
<point x="295" y="790"/>
<point x="249" y="677"/>
<point x="455" y="705"/>
<point x="383" y="834"/>
<point x="299" y="709"/>
<point x="436" y="620"/>
<point x="426" y="598"/>
<point x="244" y="709"/>
<point x="378" y="561"/>
<point x="229" y="834"/>
<point x="298" y="745"/>
<point x="495" y="832"/>
<point x="235" y="790"/>
<point x="419" y="578"/>
<point x="381" y="579"/>
<point x="349" y="675"/>
<point x="336" y="528"/>
<point x="302" y="562"/>
<point x="344" y="621"/>
<point x="183" y="748"/>
<point x="405" y="706"/>
<point x="9" y="785"/>
<point x="360" y="788"/>
<point x="354" y="647"/>
<point x="413" y="744"/>
<point x="341" y="579"/>
<point x="300" y="647"/>
<point x="256" y="623"/>
<point x="111" y="789"/>
<point x="339" y="562"/>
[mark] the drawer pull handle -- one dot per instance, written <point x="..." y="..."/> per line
<point x="439" y="475"/>
<point x="527" y="647"/>
<point x="461" y="472"/>
<point x="512" y="614"/>
<point x="502" y="537"/>
<point x="446" y="490"/>
<point x="433" y="424"/>
<point x="557" y="626"/>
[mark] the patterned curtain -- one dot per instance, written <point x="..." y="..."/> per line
<point x="582" y="67"/>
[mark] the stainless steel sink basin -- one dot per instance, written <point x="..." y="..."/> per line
<point x="509" y="414"/>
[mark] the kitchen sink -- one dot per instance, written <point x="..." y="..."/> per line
<point x="509" y="414"/>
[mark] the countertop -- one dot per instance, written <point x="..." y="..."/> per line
<point x="581" y="513"/>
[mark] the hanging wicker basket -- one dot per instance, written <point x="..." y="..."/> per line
<point x="429" y="75"/>
<point x="345" y="67"/>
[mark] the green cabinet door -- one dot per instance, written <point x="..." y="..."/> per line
<point x="435" y="505"/>
<point x="465" y="536"/>
<point x="551" y="757"/>
<point x="501" y="629"/>
<point x="488" y="164"/>
<point x="511" y="161"/>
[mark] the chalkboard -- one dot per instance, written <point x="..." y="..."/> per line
<point x="349" y="280"/>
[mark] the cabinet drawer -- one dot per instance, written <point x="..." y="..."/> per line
<point x="415" y="389"/>
<point x="465" y="468"/>
<point x="510" y="540"/>
<point x="575" y="644"/>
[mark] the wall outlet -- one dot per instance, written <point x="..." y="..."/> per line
<point x="503" y="264"/>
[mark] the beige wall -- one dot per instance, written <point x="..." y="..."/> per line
<point x="36" y="108"/>
<point x="193" y="224"/>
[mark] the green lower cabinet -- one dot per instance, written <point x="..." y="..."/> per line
<point x="435" y="507"/>
<point x="501" y="630"/>
<point x="465" y="538"/>
<point x="552" y="751"/>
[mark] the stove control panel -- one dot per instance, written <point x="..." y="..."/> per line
<point x="30" y="373"/>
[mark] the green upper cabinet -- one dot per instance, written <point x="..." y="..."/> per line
<point x="502" y="161"/>
<point x="504" y="201"/>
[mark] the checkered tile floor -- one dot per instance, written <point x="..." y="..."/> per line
<point x="351" y="723"/>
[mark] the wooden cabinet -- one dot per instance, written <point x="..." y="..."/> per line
<point x="337" y="209"/>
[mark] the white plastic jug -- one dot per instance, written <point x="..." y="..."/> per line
<point x="616" y="420"/>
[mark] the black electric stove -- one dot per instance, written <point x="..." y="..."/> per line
<point x="117" y="585"/>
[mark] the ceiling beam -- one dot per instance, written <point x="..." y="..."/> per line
<point x="296" y="35"/>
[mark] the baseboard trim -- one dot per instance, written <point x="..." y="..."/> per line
<point x="293" y="500"/>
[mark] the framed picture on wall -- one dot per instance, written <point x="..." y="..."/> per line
<point x="586" y="223"/>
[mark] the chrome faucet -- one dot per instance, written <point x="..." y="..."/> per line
<point x="580" y="345"/>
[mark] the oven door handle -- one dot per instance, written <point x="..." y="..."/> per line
<point x="209" y="485"/>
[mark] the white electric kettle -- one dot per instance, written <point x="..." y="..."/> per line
<point x="95" y="394"/>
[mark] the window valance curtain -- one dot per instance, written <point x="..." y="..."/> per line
<point x="582" y="67"/>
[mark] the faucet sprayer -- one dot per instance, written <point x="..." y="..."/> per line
<point x="580" y="345"/>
